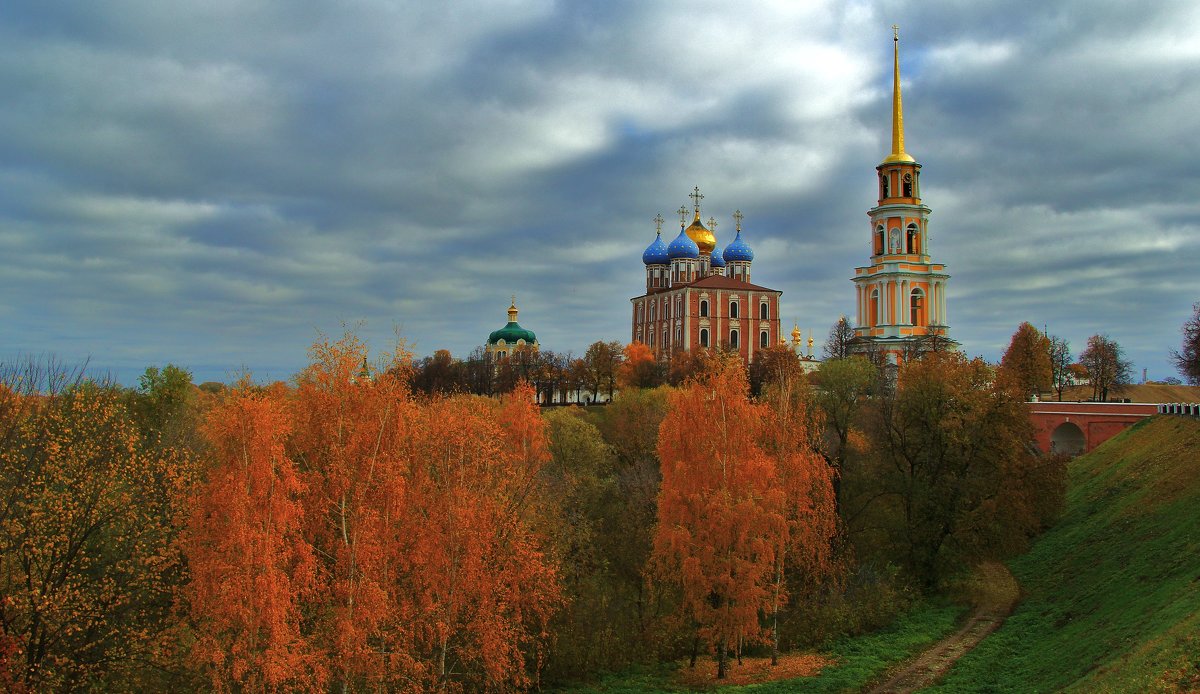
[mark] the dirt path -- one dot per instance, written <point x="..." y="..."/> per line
<point x="998" y="596"/>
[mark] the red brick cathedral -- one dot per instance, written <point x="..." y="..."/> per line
<point x="697" y="296"/>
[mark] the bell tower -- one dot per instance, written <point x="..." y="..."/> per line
<point x="902" y="294"/>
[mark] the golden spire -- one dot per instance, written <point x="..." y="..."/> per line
<point x="697" y="232"/>
<point x="898" y="154"/>
<point x="810" y="343"/>
<point x="512" y="310"/>
<point x="796" y="334"/>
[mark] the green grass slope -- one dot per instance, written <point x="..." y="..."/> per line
<point x="1112" y="593"/>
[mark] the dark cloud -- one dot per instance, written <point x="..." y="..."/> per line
<point x="213" y="183"/>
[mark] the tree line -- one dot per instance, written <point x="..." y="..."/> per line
<point x="359" y="529"/>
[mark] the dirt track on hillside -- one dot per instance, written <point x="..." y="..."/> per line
<point x="995" y="604"/>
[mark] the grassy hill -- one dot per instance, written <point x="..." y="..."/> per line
<point x="1112" y="593"/>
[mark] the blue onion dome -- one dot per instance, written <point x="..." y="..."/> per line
<point x="717" y="260"/>
<point x="683" y="247"/>
<point x="656" y="253"/>
<point x="738" y="250"/>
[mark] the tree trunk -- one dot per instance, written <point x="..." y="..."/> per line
<point x="695" y="650"/>
<point x="722" y="657"/>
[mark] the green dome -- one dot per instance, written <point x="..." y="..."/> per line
<point x="511" y="333"/>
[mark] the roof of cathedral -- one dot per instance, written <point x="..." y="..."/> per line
<point x="717" y="260"/>
<point x="738" y="250"/>
<point x="683" y="247"/>
<point x="656" y="253"/>
<point x="723" y="282"/>
<point x="512" y="332"/>
<point x="699" y="233"/>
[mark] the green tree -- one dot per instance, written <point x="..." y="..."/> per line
<point x="844" y="387"/>
<point x="958" y="478"/>
<point x="1027" y="361"/>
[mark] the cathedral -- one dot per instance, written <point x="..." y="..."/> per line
<point x="697" y="296"/>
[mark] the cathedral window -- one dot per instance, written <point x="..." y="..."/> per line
<point x="917" y="307"/>
<point x="733" y="309"/>
<point x="703" y="337"/>
<point x="763" y="311"/>
<point x="914" y="239"/>
<point x="874" y="314"/>
<point x="762" y="339"/>
<point x="704" y="308"/>
<point x="883" y="185"/>
<point x="879" y="240"/>
<point x="908" y="185"/>
<point x="733" y="338"/>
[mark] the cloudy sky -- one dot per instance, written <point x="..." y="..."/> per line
<point x="212" y="183"/>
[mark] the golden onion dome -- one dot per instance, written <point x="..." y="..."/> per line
<point x="702" y="236"/>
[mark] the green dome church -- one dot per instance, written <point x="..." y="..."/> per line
<point x="512" y="336"/>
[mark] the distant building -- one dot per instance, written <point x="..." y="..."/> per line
<point x="697" y="296"/>
<point x="512" y="336"/>
<point x="901" y="295"/>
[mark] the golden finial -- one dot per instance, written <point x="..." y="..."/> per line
<point x="712" y="225"/>
<point x="810" y="343"/>
<point x="513" y="302"/>
<point x="682" y="216"/>
<point x="658" y="222"/>
<point x="898" y="154"/>
<point x="796" y="334"/>
<point x="696" y="197"/>
<point x="737" y="219"/>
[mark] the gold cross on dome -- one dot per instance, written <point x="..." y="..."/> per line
<point x="658" y="222"/>
<point x="682" y="215"/>
<point x="737" y="219"/>
<point x="712" y="225"/>
<point x="514" y="299"/>
<point x="696" y="197"/>
<point x="895" y="32"/>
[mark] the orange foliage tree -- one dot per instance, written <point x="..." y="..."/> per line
<point x="724" y="519"/>
<point x="639" y="369"/>
<point x="252" y="568"/>
<point x="425" y="570"/>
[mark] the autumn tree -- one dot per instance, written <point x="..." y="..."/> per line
<point x="790" y="437"/>
<point x="639" y="368"/>
<point x="347" y="431"/>
<point x="252" y="568"/>
<point x="772" y="365"/>
<point x="1187" y="358"/>
<point x="482" y="588"/>
<point x="1061" y="375"/>
<point x="87" y="532"/>
<point x="602" y="359"/>
<point x="1027" y="361"/>
<point x="721" y="519"/>
<point x="1106" y="366"/>
<point x="837" y="345"/>
<point x="438" y="373"/>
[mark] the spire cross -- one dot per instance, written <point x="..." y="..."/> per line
<point x="658" y="222"/>
<point x="712" y="225"/>
<point x="514" y="300"/>
<point x="737" y="219"/>
<point x="895" y="32"/>
<point x="682" y="215"/>
<point x="696" y="197"/>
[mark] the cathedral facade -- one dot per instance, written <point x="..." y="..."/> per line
<point x="901" y="294"/>
<point x="699" y="296"/>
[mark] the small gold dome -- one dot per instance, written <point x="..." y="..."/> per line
<point x="702" y="236"/>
